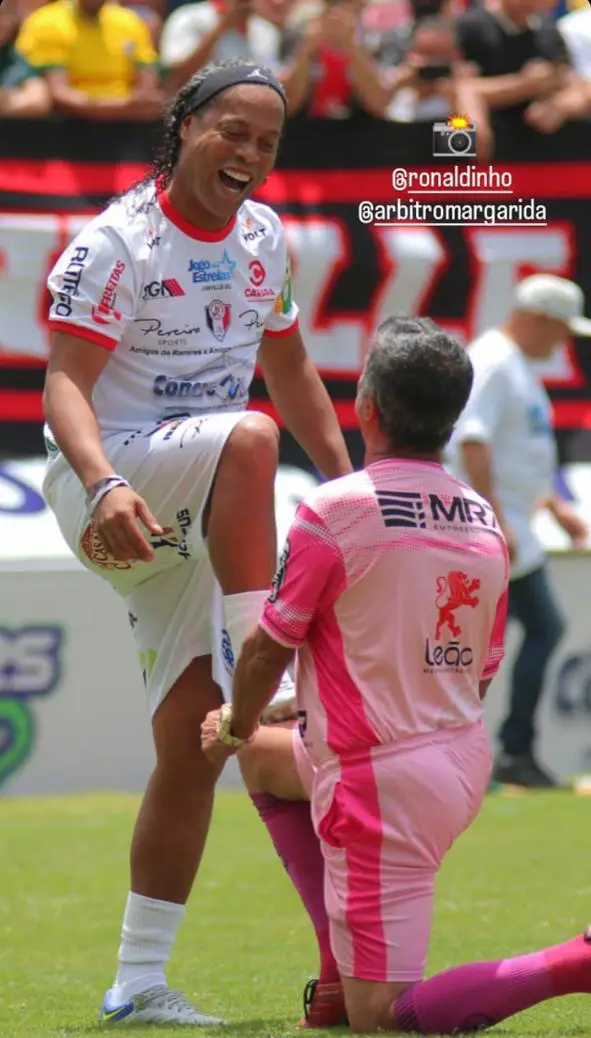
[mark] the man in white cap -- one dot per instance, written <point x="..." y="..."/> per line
<point x="504" y="447"/>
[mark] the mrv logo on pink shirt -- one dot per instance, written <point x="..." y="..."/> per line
<point x="413" y="510"/>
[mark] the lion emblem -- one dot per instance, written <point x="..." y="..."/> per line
<point x="453" y="591"/>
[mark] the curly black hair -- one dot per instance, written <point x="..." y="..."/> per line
<point x="167" y="151"/>
<point x="419" y="378"/>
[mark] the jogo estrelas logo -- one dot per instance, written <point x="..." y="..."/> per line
<point x="30" y="665"/>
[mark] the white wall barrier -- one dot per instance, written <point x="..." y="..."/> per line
<point x="72" y="704"/>
<point x="72" y="713"/>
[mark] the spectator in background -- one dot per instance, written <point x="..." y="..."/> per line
<point x="423" y="82"/>
<point x="520" y="57"/>
<point x="215" y="30"/>
<point x="152" y="12"/>
<point x="97" y="58"/>
<point x="564" y="7"/>
<point x="330" y="71"/>
<point x="574" y="101"/>
<point x="23" y="92"/>
<point x="399" y="39"/>
<point x="504" y="447"/>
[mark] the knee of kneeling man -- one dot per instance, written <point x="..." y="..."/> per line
<point x="249" y="760"/>
<point x="365" y="1019"/>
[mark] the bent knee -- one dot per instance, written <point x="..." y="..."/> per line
<point x="366" y="1019"/>
<point x="373" y="1008"/>
<point x="255" y="438"/>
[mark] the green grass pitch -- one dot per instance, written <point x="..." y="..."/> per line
<point x="519" y="879"/>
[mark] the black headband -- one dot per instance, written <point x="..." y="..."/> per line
<point x="224" y="78"/>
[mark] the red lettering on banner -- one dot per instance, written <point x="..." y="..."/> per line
<point x="500" y="258"/>
<point x="321" y="250"/>
<point x="412" y="260"/>
<point x="31" y="242"/>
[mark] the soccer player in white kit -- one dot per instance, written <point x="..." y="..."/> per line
<point x="393" y="592"/>
<point x="161" y="308"/>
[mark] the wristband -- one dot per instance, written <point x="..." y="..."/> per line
<point x="100" y="489"/>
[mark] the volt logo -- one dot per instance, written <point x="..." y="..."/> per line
<point x="30" y="665"/>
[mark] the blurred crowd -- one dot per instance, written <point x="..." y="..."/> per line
<point x="400" y="60"/>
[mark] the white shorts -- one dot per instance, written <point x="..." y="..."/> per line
<point x="174" y="602"/>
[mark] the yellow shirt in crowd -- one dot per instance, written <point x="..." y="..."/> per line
<point x="100" y="53"/>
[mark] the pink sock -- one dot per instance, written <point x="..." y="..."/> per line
<point x="290" y="827"/>
<point x="481" y="994"/>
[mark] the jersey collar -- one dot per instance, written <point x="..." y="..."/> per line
<point x="197" y="233"/>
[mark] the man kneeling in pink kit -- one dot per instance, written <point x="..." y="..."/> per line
<point x="392" y="588"/>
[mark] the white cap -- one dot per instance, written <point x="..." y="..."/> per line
<point x="554" y="297"/>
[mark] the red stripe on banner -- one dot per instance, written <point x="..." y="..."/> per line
<point x="345" y="411"/>
<point x="311" y="187"/>
<point x="307" y="187"/>
<point x="25" y="405"/>
<point x="572" y="414"/>
<point x="21" y="360"/>
<point x="67" y="179"/>
<point x="21" y="405"/>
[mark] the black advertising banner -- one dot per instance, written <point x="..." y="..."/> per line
<point x="349" y="271"/>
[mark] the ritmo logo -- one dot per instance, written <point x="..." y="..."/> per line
<point x="30" y="665"/>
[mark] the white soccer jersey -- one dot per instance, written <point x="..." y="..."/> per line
<point x="182" y="311"/>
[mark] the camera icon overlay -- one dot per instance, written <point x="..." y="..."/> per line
<point x="455" y="139"/>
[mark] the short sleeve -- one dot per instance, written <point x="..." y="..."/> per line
<point x="471" y="39"/>
<point x="310" y="576"/>
<point x="144" y="49"/>
<point x="42" y="43"/>
<point x="92" y="287"/>
<point x="554" y="46"/>
<point x="496" y="650"/>
<point x="182" y="33"/>
<point x="18" y="72"/>
<point x="284" y="317"/>
<point x="290" y="39"/>
<point x="484" y="411"/>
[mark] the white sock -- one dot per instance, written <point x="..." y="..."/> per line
<point x="147" y="936"/>
<point x="242" y="613"/>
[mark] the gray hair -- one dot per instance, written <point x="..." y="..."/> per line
<point x="419" y="379"/>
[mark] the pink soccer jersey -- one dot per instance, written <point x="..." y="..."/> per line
<point x="393" y="587"/>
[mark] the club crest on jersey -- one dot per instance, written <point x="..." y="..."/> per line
<point x="453" y="591"/>
<point x="217" y="315"/>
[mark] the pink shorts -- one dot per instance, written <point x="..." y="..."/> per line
<point x="386" y="819"/>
